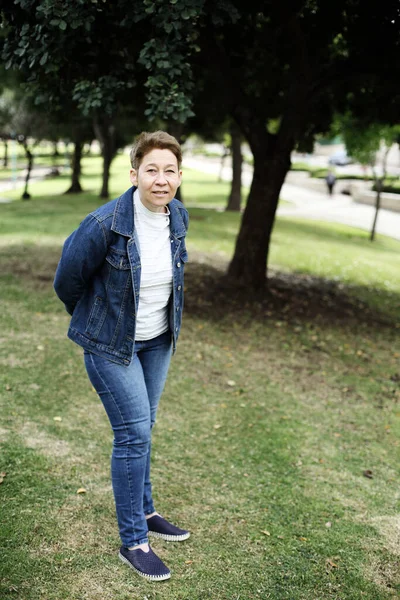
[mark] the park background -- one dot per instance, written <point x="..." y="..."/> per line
<point x="277" y="442"/>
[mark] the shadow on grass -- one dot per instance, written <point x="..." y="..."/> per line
<point x="290" y="297"/>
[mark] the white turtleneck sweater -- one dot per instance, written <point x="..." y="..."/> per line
<point x="153" y="233"/>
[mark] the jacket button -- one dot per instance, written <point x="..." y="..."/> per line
<point x="178" y="264"/>
<point x="179" y="288"/>
<point x="176" y="329"/>
<point x="177" y="309"/>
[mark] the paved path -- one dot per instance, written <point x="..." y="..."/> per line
<point x="37" y="173"/>
<point x="310" y="204"/>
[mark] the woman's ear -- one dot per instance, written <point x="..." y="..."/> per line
<point x="133" y="176"/>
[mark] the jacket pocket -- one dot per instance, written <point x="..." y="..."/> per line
<point x="96" y="318"/>
<point x="119" y="270"/>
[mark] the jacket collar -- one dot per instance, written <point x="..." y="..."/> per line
<point x="124" y="220"/>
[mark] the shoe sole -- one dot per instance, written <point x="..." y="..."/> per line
<point x="144" y="575"/>
<point x="170" y="538"/>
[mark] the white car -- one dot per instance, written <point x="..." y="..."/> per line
<point x="340" y="158"/>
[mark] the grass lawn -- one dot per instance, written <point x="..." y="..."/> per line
<point x="277" y="442"/>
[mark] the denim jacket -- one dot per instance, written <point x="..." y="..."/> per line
<point x="98" y="278"/>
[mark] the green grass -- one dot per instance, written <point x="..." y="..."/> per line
<point x="269" y="419"/>
<point x="392" y="188"/>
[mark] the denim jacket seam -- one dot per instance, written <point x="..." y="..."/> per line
<point x="121" y="313"/>
<point x="103" y="229"/>
<point x="98" y="345"/>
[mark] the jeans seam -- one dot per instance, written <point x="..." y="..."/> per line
<point x="146" y="348"/>
<point x="126" y="429"/>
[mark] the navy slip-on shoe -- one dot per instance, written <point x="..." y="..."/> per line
<point x="161" y="528"/>
<point x="146" y="564"/>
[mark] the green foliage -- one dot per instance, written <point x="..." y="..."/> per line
<point x="165" y="56"/>
<point x="273" y="125"/>
<point x="363" y="142"/>
<point x="48" y="39"/>
<point x="93" y="46"/>
<point x="299" y="166"/>
<point x="390" y="188"/>
<point x="99" y="48"/>
<point x="100" y="95"/>
<point x="363" y="136"/>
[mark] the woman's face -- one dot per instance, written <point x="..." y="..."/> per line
<point x="157" y="179"/>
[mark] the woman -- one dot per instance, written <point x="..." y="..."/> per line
<point x="120" y="276"/>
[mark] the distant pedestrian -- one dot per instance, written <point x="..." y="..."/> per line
<point x="330" y="182"/>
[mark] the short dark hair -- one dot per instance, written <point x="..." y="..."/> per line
<point x="146" y="142"/>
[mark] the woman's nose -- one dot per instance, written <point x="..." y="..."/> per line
<point x="160" y="177"/>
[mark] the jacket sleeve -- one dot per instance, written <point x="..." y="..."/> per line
<point x="84" y="251"/>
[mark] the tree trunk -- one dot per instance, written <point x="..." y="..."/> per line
<point x="249" y="263"/>
<point x="29" y="156"/>
<point x="105" y="133"/>
<point x="176" y="129"/>
<point x="235" y="197"/>
<point x="75" y="187"/>
<point x="5" y="159"/>
<point x="108" y="155"/>
<point x="271" y="151"/>
<point x="379" y="185"/>
<point x="55" y="150"/>
<point x="88" y="150"/>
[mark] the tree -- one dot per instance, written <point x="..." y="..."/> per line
<point x="9" y="84"/>
<point x="88" y="44"/>
<point x="106" y="53"/>
<point x="212" y="123"/>
<point x="6" y="113"/>
<point x="363" y="142"/>
<point x="29" y="128"/>
<point x="235" y="196"/>
<point x="79" y="131"/>
<point x="282" y="69"/>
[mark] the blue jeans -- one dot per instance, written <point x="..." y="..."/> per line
<point x="130" y="396"/>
